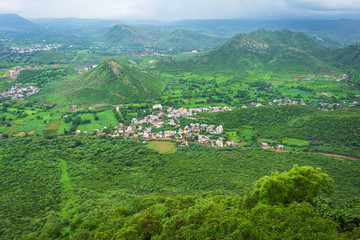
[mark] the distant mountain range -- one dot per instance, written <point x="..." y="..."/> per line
<point x="277" y="51"/>
<point x="199" y="34"/>
<point x="330" y="33"/>
<point x="77" y="26"/>
<point x="16" y="24"/>
<point x="179" y="39"/>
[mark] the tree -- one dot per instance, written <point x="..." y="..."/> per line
<point x="298" y="185"/>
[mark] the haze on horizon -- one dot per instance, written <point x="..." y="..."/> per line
<point x="169" y="10"/>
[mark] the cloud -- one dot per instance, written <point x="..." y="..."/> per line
<point x="175" y="9"/>
<point x="7" y="6"/>
<point x="336" y="5"/>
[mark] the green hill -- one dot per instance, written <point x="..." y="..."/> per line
<point x="348" y="57"/>
<point x="279" y="51"/>
<point x="125" y="35"/>
<point x="110" y="82"/>
<point x="15" y="23"/>
<point x="181" y="39"/>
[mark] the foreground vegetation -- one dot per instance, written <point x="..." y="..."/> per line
<point x="85" y="188"/>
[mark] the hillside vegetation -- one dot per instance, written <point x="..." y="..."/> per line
<point x="93" y="188"/>
<point x="279" y="51"/>
<point x="110" y="82"/>
<point x="182" y="39"/>
<point x="348" y="57"/>
<point x="178" y="40"/>
<point x="125" y="35"/>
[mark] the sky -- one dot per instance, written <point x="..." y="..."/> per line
<point x="169" y="10"/>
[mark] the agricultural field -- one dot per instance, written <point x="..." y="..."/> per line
<point x="53" y="120"/>
<point x="162" y="146"/>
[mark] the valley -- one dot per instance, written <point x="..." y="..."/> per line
<point x="214" y="129"/>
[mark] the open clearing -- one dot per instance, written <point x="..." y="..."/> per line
<point x="162" y="146"/>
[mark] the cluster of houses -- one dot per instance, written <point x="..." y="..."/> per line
<point x="35" y="48"/>
<point x="19" y="91"/>
<point x="171" y="112"/>
<point x="281" y="101"/>
<point x="340" y="78"/>
<point x="146" y="128"/>
<point x="86" y="69"/>
<point x="331" y="106"/>
<point x="265" y="145"/>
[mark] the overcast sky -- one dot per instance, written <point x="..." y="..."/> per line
<point x="166" y="10"/>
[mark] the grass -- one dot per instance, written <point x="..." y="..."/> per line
<point x="67" y="194"/>
<point x="53" y="128"/>
<point x="21" y="134"/>
<point x="35" y="124"/>
<point x="296" y="142"/>
<point x="232" y="135"/>
<point x="162" y="146"/>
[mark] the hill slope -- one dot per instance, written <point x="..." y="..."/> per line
<point x="278" y="51"/>
<point x="179" y="39"/>
<point x="126" y="35"/>
<point x="348" y="57"/>
<point x="15" y="23"/>
<point x="110" y="82"/>
<point x="186" y="40"/>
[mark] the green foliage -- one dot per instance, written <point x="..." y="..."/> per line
<point x="178" y="40"/>
<point x="348" y="57"/>
<point x="125" y="35"/>
<point x="81" y="187"/>
<point x="298" y="185"/>
<point x="40" y="78"/>
<point x="185" y="40"/>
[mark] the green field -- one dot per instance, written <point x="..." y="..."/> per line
<point x="296" y="142"/>
<point x="162" y="146"/>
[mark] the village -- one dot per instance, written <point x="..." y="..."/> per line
<point x="281" y="101"/>
<point x="165" y="125"/>
<point x="145" y="128"/>
<point x="35" y="48"/>
<point x="19" y="91"/>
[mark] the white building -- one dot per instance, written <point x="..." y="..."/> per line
<point x="157" y="107"/>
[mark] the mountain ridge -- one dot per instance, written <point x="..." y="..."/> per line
<point x="179" y="39"/>
<point x="286" y="51"/>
